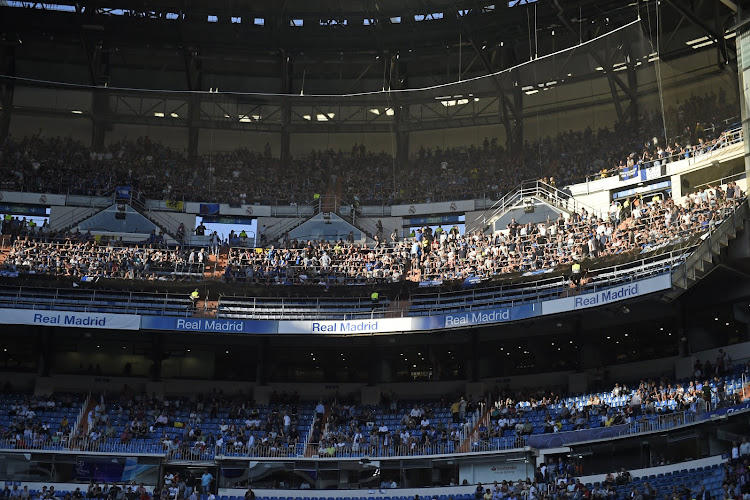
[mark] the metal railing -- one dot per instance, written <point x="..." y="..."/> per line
<point x="660" y="423"/>
<point x="528" y="189"/>
<point x="81" y="413"/>
<point x="727" y="138"/>
<point x="713" y="238"/>
<point x="164" y="220"/>
<point x="95" y="300"/>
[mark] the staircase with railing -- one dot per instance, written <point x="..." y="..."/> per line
<point x="80" y="427"/>
<point x="708" y="254"/>
<point x="470" y="431"/>
<point x="163" y="220"/>
<point x="80" y="212"/>
<point x="515" y="198"/>
<point x="311" y="449"/>
<point x="274" y="232"/>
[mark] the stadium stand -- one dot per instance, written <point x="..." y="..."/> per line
<point x="114" y="301"/>
<point x="209" y="425"/>
<point x="158" y="172"/>
<point x="33" y="422"/>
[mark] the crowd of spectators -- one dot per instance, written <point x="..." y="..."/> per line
<point x="364" y="430"/>
<point x="27" y="425"/>
<point x="637" y="225"/>
<point x="736" y="483"/>
<point x="62" y="165"/>
<point x="546" y="412"/>
<point x="634" y="226"/>
<point x="79" y="255"/>
<point x="181" y="425"/>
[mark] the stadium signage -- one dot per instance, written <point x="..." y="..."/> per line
<point x="68" y="319"/>
<point x="344" y="326"/>
<point x="210" y="325"/>
<point x="606" y="296"/>
<point x="476" y="318"/>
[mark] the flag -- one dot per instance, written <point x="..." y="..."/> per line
<point x="209" y="208"/>
<point x="175" y="205"/>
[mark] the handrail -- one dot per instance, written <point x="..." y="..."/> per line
<point x="124" y="303"/>
<point x="721" y="181"/>
<point x="537" y="290"/>
<point x="276" y="230"/>
<point x="730" y="223"/>
<point x="81" y="413"/>
<point x="528" y="189"/>
<point x="734" y="135"/>
<point x="164" y="220"/>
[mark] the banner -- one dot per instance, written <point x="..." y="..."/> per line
<point x="432" y="209"/>
<point x="227" y="219"/>
<point x="8" y="208"/>
<point x="497" y="470"/>
<point x="434" y="221"/>
<point x="70" y="319"/>
<point x="208" y="325"/>
<point x="557" y="439"/>
<point x="122" y="192"/>
<point x="363" y="326"/>
<point x="489" y="316"/>
<point x="174" y="205"/>
<point x="608" y="295"/>
<point x="209" y="208"/>
<point x="724" y="411"/>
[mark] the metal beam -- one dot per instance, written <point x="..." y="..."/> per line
<point x="508" y="108"/>
<point x="724" y="48"/>
<point x="8" y="67"/>
<point x="732" y="6"/>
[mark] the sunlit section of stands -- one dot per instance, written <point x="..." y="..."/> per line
<point x="543" y="289"/>
<point x="274" y="308"/>
<point x="95" y="301"/>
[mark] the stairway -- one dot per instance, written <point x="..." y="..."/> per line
<point x="82" y="429"/>
<point x="708" y="255"/>
<point x="310" y="448"/>
<point x="516" y="198"/>
<point x="473" y="435"/>
<point x="163" y="221"/>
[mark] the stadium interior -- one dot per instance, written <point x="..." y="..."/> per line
<point x="375" y="250"/>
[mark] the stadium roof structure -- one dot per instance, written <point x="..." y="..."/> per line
<point x="296" y="47"/>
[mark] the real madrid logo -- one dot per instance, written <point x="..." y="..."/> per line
<point x="249" y="210"/>
<point x="43" y="198"/>
<point x="453" y="205"/>
<point x="412" y="209"/>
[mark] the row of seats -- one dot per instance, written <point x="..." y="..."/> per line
<point x="95" y="301"/>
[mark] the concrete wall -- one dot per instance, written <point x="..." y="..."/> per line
<point x="64" y="217"/>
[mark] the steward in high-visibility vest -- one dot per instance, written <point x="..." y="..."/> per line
<point x="576" y="273"/>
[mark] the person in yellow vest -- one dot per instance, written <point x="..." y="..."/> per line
<point x="575" y="275"/>
<point x="194" y="296"/>
<point x="375" y="297"/>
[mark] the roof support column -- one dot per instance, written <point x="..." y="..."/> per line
<point x="7" y="67"/>
<point x="286" y="109"/>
